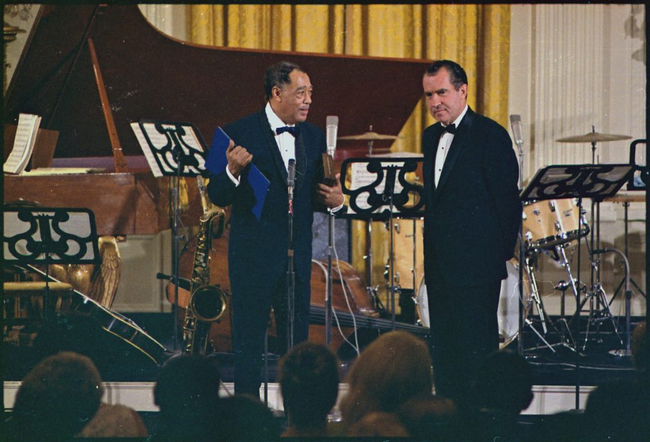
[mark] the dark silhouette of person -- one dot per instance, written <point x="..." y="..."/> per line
<point x="187" y="393"/>
<point x="56" y="399"/>
<point x="309" y="381"/>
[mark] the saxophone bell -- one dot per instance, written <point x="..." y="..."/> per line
<point x="208" y="303"/>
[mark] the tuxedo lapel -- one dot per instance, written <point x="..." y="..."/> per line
<point x="460" y="138"/>
<point x="273" y="146"/>
<point x="433" y="145"/>
<point x="301" y="160"/>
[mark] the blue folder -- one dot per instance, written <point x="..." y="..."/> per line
<point x="216" y="162"/>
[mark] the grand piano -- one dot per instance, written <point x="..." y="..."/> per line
<point x="89" y="71"/>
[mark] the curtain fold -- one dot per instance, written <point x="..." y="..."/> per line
<point x="475" y="36"/>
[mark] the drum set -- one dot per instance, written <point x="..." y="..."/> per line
<point x="550" y="228"/>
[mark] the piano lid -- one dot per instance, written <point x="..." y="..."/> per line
<point x="150" y="75"/>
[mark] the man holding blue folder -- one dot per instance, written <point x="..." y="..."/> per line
<point x="254" y="182"/>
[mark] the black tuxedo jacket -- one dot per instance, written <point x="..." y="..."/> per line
<point x="257" y="251"/>
<point x="472" y="217"/>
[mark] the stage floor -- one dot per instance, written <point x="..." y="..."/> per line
<point x="563" y="377"/>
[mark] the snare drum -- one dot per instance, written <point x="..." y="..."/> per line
<point x="508" y="311"/>
<point x="551" y="222"/>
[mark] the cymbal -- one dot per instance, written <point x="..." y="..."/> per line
<point x="593" y="137"/>
<point x="405" y="155"/>
<point x="369" y="136"/>
<point x="627" y="197"/>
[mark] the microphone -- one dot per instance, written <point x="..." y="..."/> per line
<point x="332" y="125"/>
<point x="291" y="176"/>
<point x="515" y="121"/>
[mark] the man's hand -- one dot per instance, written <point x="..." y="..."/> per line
<point x="332" y="197"/>
<point x="238" y="158"/>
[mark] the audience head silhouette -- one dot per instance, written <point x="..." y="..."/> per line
<point x="57" y="398"/>
<point x="245" y="418"/>
<point x="309" y="382"/>
<point x="504" y="383"/>
<point x="187" y="393"/>
<point x="393" y="369"/>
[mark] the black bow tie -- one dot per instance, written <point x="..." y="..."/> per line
<point x="292" y="130"/>
<point x="450" y="128"/>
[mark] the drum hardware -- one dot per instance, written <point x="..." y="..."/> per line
<point x="599" y="310"/>
<point x="549" y="226"/>
<point x="626" y="205"/>
<point x="535" y="297"/>
<point x="528" y="276"/>
<point x="408" y="264"/>
<point x="381" y="190"/>
<point x="628" y="293"/>
<point x="561" y="325"/>
<point x="370" y="137"/>
<point x="566" y="338"/>
<point x="628" y="298"/>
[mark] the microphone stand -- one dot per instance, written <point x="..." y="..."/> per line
<point x="291" y="274"/>
<point x="176" y="179"/>
<point x="330" y="279"/>
<point x="329" y="158"/>
<point x="522" y="253"/>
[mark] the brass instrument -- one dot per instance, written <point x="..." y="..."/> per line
<point x="207" y="302"/>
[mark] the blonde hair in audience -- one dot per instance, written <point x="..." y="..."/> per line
<point x="391" y="370"/>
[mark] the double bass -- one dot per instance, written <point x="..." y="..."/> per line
<point x="353" y="306"/>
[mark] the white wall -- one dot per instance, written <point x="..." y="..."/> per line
<point x="573" y="66"/>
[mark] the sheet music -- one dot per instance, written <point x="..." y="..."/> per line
<point x="155" y="169"/>
<point x="42" y="171"/>
<point x="163" y="141"/>
<point x="28" y="125"/>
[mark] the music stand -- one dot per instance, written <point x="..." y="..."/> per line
<point x="47" y="236"/>
<point x="379" y="189"/>
<point x="637" y="182"/>
<point x="596" y="181"/>
<point x="173" y="149"/>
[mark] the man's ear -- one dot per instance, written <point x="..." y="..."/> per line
<point x="276" y="93"/>
<point x="464" y="89"/>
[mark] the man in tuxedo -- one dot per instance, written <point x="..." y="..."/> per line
<point x="471" y="223"/>
<point x="258" y="248"/>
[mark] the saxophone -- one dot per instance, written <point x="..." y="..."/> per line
<point x="207" y="302"/>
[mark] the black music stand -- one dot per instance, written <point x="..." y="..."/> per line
<point x="176" y="150"/>
<point x="638" y="182"/>
<point x="379" y="189"/>
<point x="596" y="181"/>
<point x="47" y="236"/>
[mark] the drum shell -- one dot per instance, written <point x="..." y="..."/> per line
<point x="551" y="222"/>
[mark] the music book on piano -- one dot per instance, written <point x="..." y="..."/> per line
<point x="24" y="142"/>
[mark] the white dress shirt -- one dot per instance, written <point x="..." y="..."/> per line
<point x="443" y="147"/>
<point x="286" y="142"/>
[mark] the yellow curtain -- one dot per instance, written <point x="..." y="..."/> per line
<point x="475" y="36"/>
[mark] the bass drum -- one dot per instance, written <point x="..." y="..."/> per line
<point x="508" y="311"/>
